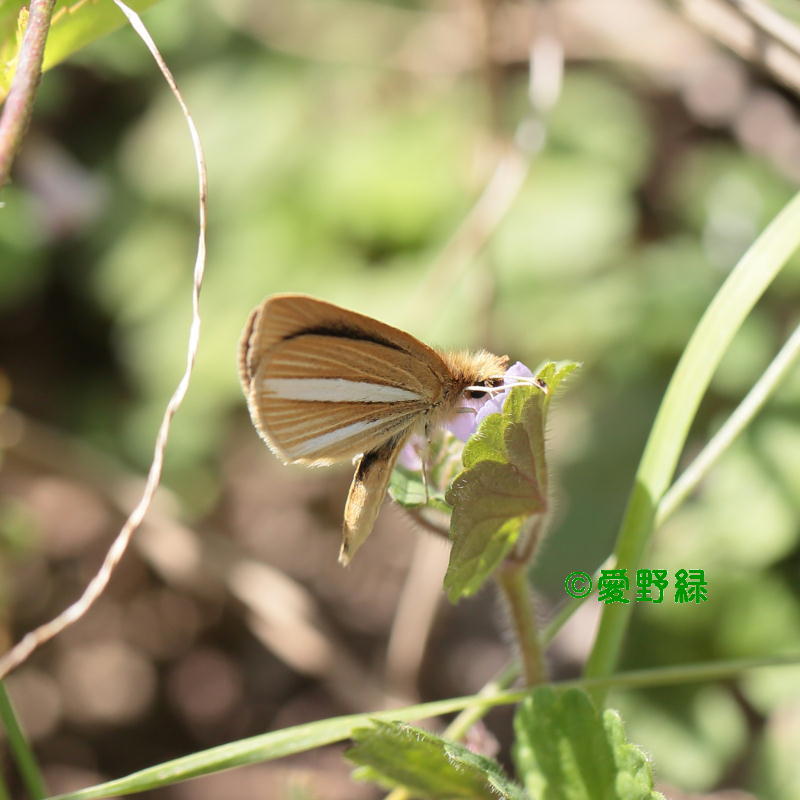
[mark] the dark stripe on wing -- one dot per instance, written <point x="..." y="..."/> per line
<point x="344" y="332"/>
<point x="379" y="454"/>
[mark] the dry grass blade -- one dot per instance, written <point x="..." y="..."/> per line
<point x="415" y="616"/>
<point x="770" y="22"/>
<point x="546" y="65"/>
<point x="752" y="32"/>
<point x="37" y="637"/>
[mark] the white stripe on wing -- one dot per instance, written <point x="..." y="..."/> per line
<point x="311" y="446"/>
<point x="335" y="390"/>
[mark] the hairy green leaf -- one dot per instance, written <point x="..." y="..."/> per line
<point x="491" y="503"/>
<point x="565" y="750"/>
<point x="464" y="759"/>
<point x="427" y="766"/>
<point x="503" y="485"/>
<point x="486" y="444"/>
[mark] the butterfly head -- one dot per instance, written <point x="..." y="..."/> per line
<point x="475" y="375"/>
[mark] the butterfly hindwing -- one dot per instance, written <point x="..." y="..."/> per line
<point x="370" y="482"/>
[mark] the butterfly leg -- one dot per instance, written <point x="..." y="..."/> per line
<point x="424" y="461"/>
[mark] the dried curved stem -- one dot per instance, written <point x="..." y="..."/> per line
<point x="44" y="633"/>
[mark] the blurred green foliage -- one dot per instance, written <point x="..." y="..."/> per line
<point x="345" y="182"/>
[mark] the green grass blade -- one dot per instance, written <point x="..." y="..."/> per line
<point x="270" y="746"/>
<point x="21" y="751"/>
<point x="762" y="389"/>
<point x="719" y="324"/>
<point x="265" y="747"/>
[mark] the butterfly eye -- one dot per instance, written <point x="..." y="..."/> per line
<point x="475" y="391"/>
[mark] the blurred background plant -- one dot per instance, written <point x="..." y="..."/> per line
<point x="346" y="142"/>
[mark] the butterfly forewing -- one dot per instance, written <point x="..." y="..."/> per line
<point x="327" y="390"/>
<point x="285" y="316"/>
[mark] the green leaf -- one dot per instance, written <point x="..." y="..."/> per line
<point x="13" y="19"/>
<point x="491" y="503"/>
<point x="498" y="781"/>
<point x="503" y="485"/>
<point x="486" y="444"/>
<point x="427" y="766"/>
<point x="74" y="24"/>
<point x="443" y="460"/>
<point x="406" y="487"/>
<point x="564" y="750"/>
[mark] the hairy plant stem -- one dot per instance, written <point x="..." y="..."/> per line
<point x="512" y="578"/>
<point x="19" y="102"/>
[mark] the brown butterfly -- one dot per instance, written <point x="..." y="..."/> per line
<point x="324" y="384"/>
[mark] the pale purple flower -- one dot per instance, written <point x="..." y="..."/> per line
<point x="410" y="457"/>
<point x="494" y="403"/>
<point x="462" y="424"/>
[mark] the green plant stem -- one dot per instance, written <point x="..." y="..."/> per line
<point x="301" y="738"/>
<point x="19" y="102"/>
<point x="460" y="726"/>
<point x="733" y="426"/>
<point x="722" y="319"/>
<point x="512" y="578"/>
<point x="20" y="749"/>
<point x="465" y="719"/>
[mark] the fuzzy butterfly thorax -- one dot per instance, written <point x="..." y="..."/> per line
<point x="474" y="368"/>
